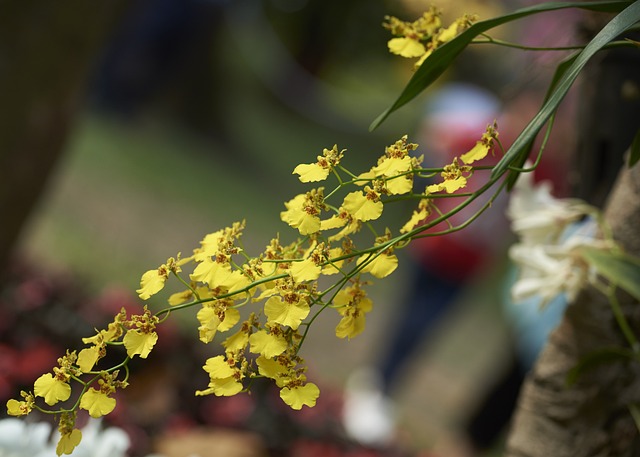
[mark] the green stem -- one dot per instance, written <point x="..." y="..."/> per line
<point x="490" y="40"/>
<point x="622" y="321"/>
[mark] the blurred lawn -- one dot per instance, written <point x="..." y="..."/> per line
<point x="128" y="195"/>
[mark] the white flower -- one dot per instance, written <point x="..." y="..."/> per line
<point x="98" y="442"/>
<point x="19" y="438"/>
<point x="552" y="232"/>
<point x="545" y="275"/>
<point x="536" y="216"/>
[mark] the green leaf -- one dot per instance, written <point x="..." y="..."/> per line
<point x="635" y="413"/>
<point x="619" y="24"/>
<point x="519" y="162"/>
<point x="598" y="358"/>
<point x="635" y="150"/>
<point x="619" y="268"/>
<point x="443" y="56"/>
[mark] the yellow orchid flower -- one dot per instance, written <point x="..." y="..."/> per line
<point x="52" y="388"/>
<point x="267" y="344"/>
<point x="363" y="206"/>
<point x="284" y="312"/>
<point x="97" y="402"/>
<point x="300" y="395"/>
<point x="137" y="342"/>
<point x="68" y="442"/>
<point x="152" y="282"/>
<point x="381" y="266"/>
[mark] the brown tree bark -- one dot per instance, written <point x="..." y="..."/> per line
<point x="46" y="53"/>
<point x="591" y="417"/>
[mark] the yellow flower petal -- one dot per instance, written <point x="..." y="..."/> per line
<point x="423" y="58"/>
<point x="406" y="47"/>
<point x="449" y="185"/>
<point x="231" y="318"/>
<point x="97" y="403"/>
<point x="361" y="207"/>
<point x="209" y="245"/>
<point x="219" y="275"/>
<point x="68" y="443"/>
<point x="218" y="367"/>
<point x="139" y="343"/>
<point x="351" y="325"/>
<point x="224" y="387"/>
<point x="152" y="282"/>
<point x="312" y="172"/>
<point x="304" y="222"/>
<point x="298" y="396"/>
<point x="297" y="217"/>
<point x="290" y="314"/>
<point x="87" y="358"/>
<point x="180" y="297"/>
<point x="209" y="322"/>
<point x="381" y="266"/>
<point x="51" y="389"/>
<point x="364" y="178"/>
<point x="478" y="152"/>
<point x="392" y="166"/>
<point x="346" y="297"/>
<point x="267" y="344"/>
<point x="335" y="265"/>
<point x="18" y="408"/>
<point x="236" y="342"/>
<point x="352" y="227"/>
<point x="399" y="186"/>
<point x="305" y="270"/>
<point x="449" y="33"/>
<point x="417" y="217"/>
<point x="334" y="221"/>
<point x="272" y="369"/>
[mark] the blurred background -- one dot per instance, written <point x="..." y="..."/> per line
<point x="130" y="129"/>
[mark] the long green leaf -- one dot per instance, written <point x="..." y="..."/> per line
<point x="443" y="56"/>
<point x="519" y="162"/>
<point x="618" y="25"/>
<point x="620" y="269"/>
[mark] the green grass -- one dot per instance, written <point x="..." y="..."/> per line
<point x="123" y="200"/>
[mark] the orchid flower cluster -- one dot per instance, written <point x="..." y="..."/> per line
<point x="422" y="36"/>
<point x="281" y="287"/>
<point x="261" y="307"/>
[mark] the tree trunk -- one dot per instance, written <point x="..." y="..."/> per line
<point x="591" y="417"/>
<point x="47" y="49"/>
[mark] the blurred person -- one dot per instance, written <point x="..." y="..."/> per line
<point x="442" y="267"/>
<point x="528" y="323"/>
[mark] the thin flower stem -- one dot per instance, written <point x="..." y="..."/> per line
<point x="490" y="40"/>
<point x="192" y="289"/>
<point x="545" y="139"/>
<point x="340" y="167"/>
<point x="622" y="321"/>
<point x="635" y="413"/>
<point x="337" y="175"/>
<point x="331" y="194"/>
